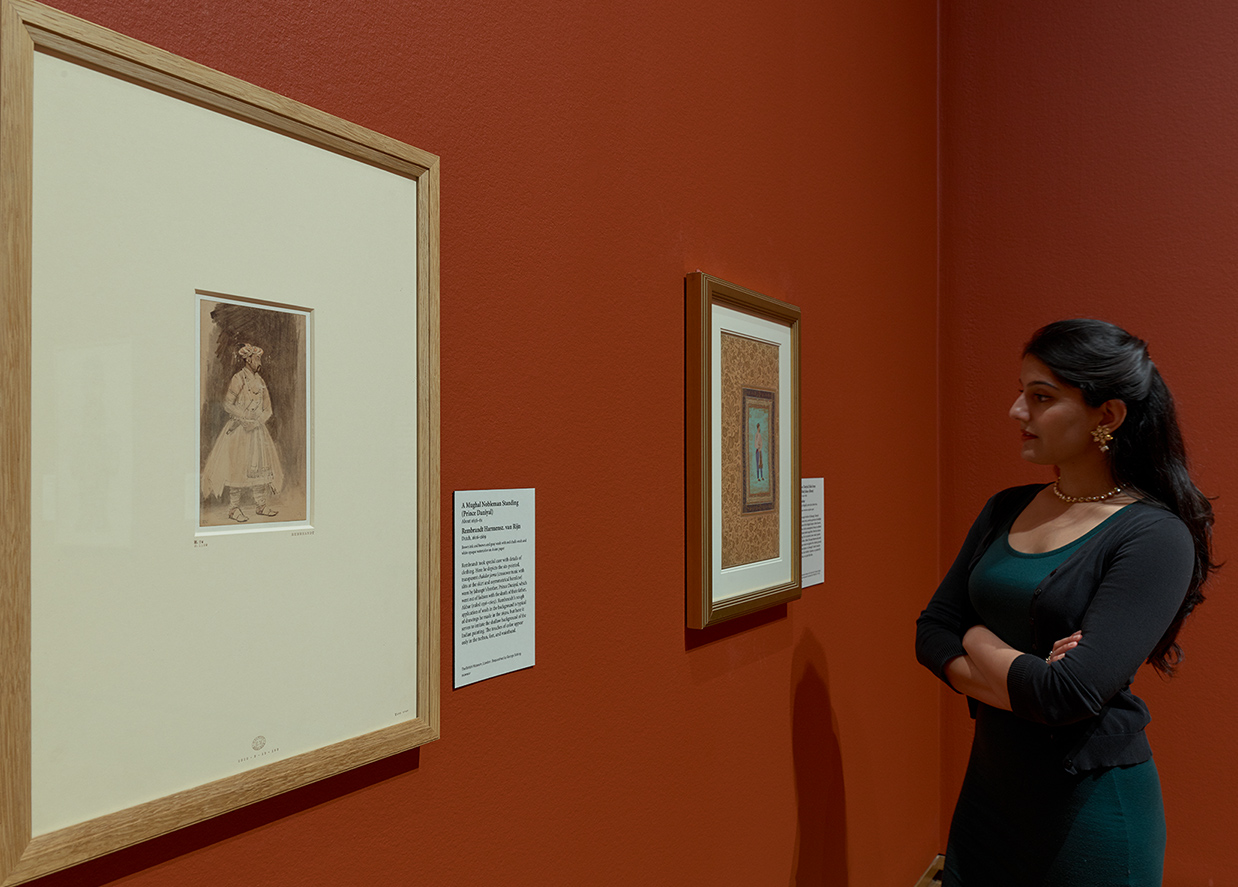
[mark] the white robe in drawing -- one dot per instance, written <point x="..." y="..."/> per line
<point x="244" y="454"/>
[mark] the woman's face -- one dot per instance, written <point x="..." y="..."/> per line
<point x="1055" y="421"/>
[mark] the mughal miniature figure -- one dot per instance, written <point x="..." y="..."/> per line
<point x="244" y="455"/>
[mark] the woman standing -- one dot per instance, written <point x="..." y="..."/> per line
<point x="1059" y="594"/>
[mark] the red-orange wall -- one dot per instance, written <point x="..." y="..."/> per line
<point x="1088" y="169"/>
<point x="592" y="154"/>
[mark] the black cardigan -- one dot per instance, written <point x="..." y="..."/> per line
<point x="1122" y="588"/>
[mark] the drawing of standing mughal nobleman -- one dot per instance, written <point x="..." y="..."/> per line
<point x="760" y="465"/>
<point x="244" y="454"/>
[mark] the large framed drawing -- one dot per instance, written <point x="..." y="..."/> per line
<point x="743" y="445"/>
<point x="219" y="452"/>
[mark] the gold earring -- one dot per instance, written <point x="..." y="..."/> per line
<point x="1101" y="435"/>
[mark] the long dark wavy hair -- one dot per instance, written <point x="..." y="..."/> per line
<point x="1147" y="454"/>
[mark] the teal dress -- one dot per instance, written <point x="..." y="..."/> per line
<point x="1021" y="820"/>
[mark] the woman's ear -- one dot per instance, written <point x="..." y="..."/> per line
<point x="1113" y="413"/>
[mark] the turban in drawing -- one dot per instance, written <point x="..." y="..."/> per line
<point x="248" y="351"/>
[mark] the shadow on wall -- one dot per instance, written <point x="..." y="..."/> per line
<point x="820" y="853"/>
<point x="191" y="839"/>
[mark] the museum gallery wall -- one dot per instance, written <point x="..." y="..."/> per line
<point x="578" y="191"/>
<point x="592" y="158"/>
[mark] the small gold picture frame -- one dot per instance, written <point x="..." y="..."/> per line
<point x="743" y="451"/>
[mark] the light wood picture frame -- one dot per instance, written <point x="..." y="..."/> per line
<point x="743" y="451"/>
<point x="204" y="670"/>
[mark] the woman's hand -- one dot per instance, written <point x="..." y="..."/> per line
<point x="1061" y="647"/>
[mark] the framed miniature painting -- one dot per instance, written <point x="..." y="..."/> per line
<point x="743" y="471"/>
<point x="218" y="396"/>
